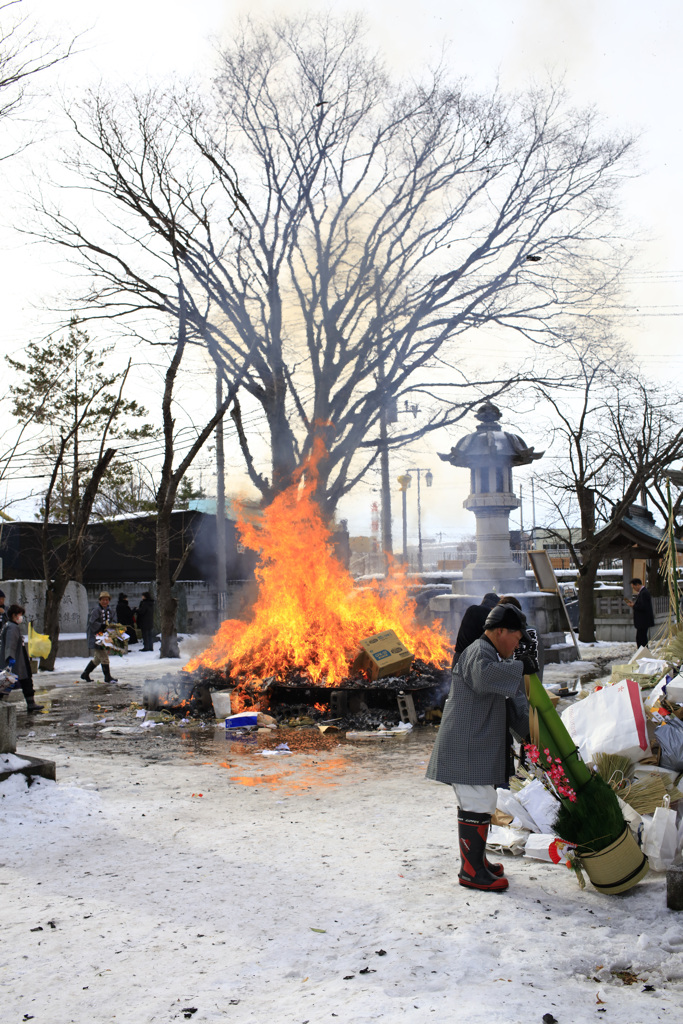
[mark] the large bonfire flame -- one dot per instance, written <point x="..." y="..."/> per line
<point x="309" y="617"/>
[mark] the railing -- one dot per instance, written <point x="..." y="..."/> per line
<point x="613" y="605"/>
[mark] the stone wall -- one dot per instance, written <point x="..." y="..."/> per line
<point x="201" y="609"/>
<point x="614" y="618"/>
<point x="73" y="613"/>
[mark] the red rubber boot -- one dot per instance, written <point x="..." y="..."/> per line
<point x="473" y="830"/>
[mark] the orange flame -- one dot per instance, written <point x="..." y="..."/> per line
<point x="309" y="616"/>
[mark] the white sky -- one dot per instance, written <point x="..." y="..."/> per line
<point x="620" y="55"/>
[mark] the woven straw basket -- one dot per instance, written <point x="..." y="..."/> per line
<point x="618" y="867"/>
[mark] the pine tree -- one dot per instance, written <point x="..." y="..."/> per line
<point x="79" y="406"/>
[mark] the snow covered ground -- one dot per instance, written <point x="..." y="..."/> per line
<point x="182" y="876"/>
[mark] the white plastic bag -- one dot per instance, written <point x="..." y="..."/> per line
<point x="610" y="721"/>
<point x="506" y="839"/>
<point x="509" y="804"/>
<point x="631" y="817"/>
<point x="660" y="690"/>
<point x="540" y="804"/>
<point x="652" y="666"/>
<point x="661" y="839"/>
<point x="538" y="846"/>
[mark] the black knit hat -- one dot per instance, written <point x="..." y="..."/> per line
<point x="506" y="616"/>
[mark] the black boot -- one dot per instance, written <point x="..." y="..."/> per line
<point x="108" y="678"/>
<point x="85" y="674"/>
<point x="29" y="695"/>
<point x="473" y="830"/>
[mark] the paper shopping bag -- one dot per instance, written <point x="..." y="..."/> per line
<point x="609" y="721"/>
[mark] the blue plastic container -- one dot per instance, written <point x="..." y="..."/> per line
<point x="241" y="720"/>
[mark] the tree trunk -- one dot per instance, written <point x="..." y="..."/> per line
<point x="587" y="578"/>
<point x="284" y="462"/>
<point x="53" y="599"/>
<point x="168" y="604"/>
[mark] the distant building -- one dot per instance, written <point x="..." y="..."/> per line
<point x="556" y="543"/>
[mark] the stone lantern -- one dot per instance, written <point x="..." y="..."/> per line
<point x="490" y="454"/>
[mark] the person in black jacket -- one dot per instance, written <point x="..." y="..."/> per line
<point x="472" y="625"/>
<point x="3" y="613"/>
<point x="125" y="617"/>
<point x="145" y="619"/>
<point x="643" y="614"/>
<point x="14" y="657"/>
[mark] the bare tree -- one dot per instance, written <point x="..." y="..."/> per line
<point x="375" y="230"/>
<point x="158" y="257"/>
<point x="615" y="434"/>
<point x="659" y="496"/>
<point x="384" y="221"/>
<point x="171" y="479"/>
<point x="24" y="54"/>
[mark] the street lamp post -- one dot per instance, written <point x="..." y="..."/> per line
<point x="428" y="480"/>
<point x="404" y="482"/>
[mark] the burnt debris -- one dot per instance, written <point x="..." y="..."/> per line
<point x="356" y="702"/>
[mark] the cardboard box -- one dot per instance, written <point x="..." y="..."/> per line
<point x="384" y="655"/>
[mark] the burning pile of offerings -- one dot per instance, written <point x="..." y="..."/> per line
<point x="311" y="631"/>
<point x="359" y="701"/>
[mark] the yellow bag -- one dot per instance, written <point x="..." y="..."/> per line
<point x="39" y="645"/>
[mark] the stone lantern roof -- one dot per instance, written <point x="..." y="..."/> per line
<point x="490" y="444"/>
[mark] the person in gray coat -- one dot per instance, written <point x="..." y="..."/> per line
<point x="99" y="618"/>
<point x="486" y="699"/>
<point x="14" y="657"/>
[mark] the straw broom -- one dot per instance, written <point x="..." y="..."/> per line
<point x="643" y="796"/>
<point x="615" y="769"/>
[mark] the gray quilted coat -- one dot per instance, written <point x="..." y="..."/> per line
<point x="98" y="619"/>
<point x="471" y="744"/>
<point x="12" y="646"/>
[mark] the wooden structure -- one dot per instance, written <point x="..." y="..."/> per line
<point x="636" y="545"/>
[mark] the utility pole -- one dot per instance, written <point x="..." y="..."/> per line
<point x="533" y="515"/>
<point x="387" y="542"/>
<point x="522" y="541"/>
<point x="428" y="480"/>
<point x="521" y="512"/>
<point x="221" y="556"/>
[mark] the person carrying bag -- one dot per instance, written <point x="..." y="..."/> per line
<point x="14" y="657"/>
